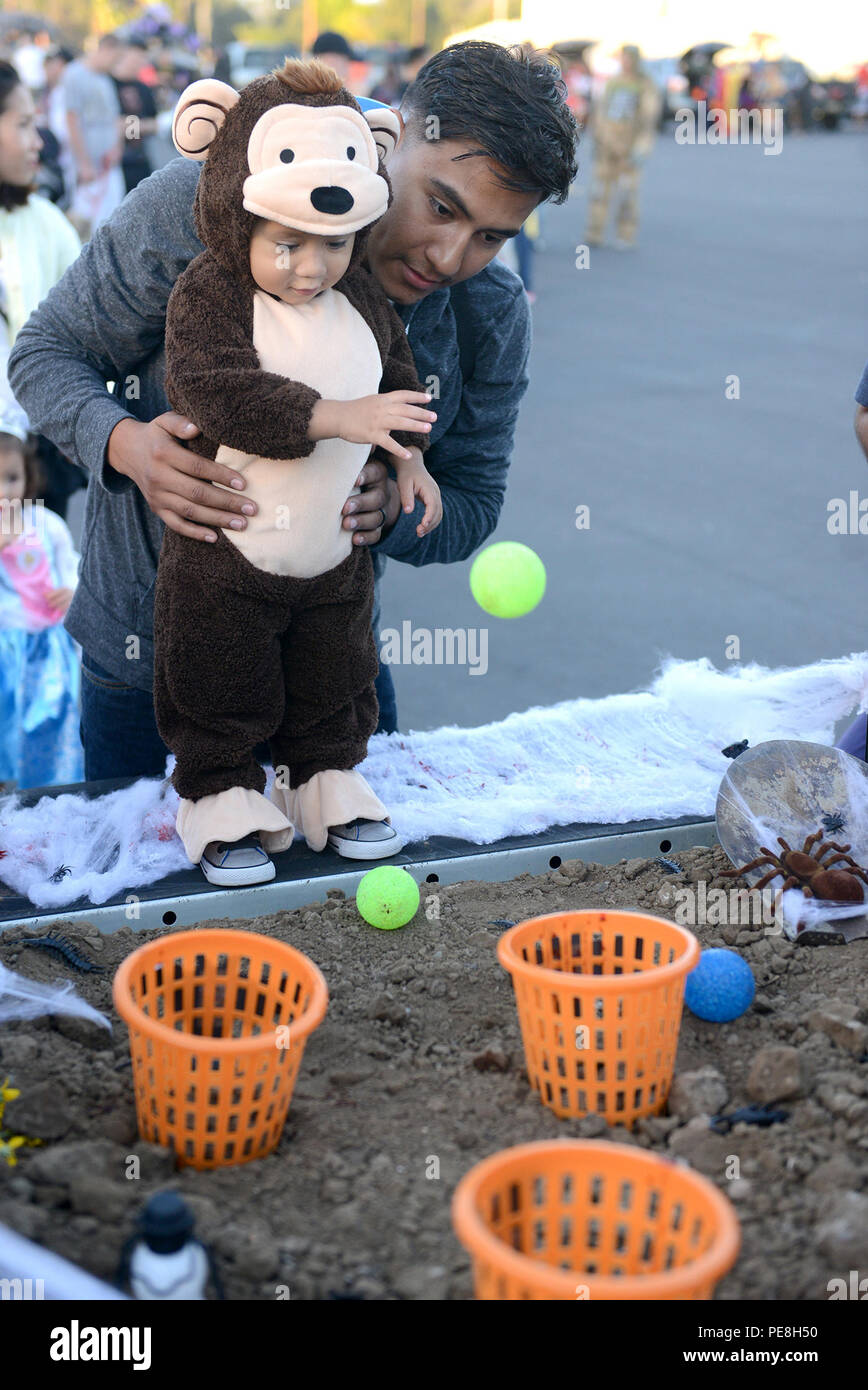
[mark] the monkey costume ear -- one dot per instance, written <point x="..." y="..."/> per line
<point x="200" y="113"/>
<point x="386" y="125"/>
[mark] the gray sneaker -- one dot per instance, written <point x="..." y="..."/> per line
<point x="365" y="839"/>
<point x="237" y="864"/>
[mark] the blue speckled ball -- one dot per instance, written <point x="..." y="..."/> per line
<point x="721" y="987"/>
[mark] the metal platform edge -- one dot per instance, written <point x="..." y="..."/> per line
<point x="480" y="864"/>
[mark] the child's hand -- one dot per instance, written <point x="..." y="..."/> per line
<point x="414" y="481"/>
<point x="370" y="419"/>
<point x="59" y="598"/>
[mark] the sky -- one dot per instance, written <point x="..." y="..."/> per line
<point x="829" y="39"/>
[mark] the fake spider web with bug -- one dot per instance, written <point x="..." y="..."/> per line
<point x="793" y="788"/>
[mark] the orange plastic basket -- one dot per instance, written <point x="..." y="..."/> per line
<point x="218" y="1021"/>
<point x="578" y="1219"/>
<point x="599" y="997"/>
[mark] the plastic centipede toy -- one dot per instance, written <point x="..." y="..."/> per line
<point x="61" y="947"/>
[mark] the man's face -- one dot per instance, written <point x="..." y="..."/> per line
<point x="105" y="57"/>
<point x="447" y="220"/>
<point x="339" y="61"/>
<point x="127" y="64"/>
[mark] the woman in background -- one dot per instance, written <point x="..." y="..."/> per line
<point x="37" y="244"/>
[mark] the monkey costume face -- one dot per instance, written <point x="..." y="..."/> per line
<point x="293" y="147"/>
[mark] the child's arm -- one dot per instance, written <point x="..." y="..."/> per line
<point x="413" y="479"/>
<point x="66" y="557"/>
<point x="378" y="420"/>
<point x="400" y="374"/>
<point x="60" y="547"/>
<point x="213" y="374"/>
<point x="397" y="418"/>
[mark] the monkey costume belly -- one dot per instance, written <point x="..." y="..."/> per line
<point x="267" y="634"/>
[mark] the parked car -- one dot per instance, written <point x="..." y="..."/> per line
<point x="807" y="102"/>
<point x="249" y="60"/>
<point x="834" y="101"/>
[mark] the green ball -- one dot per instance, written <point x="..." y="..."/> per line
<point x="387" y="897"/>
<point x="507" y="579"/>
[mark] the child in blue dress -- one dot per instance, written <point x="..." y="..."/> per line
<point x="39" y="661"/>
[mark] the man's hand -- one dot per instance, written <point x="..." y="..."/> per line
<point x="861" y="423"/>
<point x="377" y="507"/>
<point x="175" y="482"/>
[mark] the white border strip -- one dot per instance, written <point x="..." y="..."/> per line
<point x="42" y="1274"/>
<point x="282" y="895"/>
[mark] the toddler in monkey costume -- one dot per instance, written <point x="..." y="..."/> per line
<point x="278" y="344"/>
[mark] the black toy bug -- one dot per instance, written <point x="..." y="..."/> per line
<point x="762" y="1115"/>
<point x="834" y="823"/>
<point x="670" y="866"/>
<point x="735" y="750"/>
<point x="61" y="947"/>
<point x="60" y="873"/>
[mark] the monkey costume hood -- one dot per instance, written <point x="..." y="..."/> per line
<point x="245" y="176"/>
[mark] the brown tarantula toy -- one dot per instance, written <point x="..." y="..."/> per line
<point x="805" y="868"/>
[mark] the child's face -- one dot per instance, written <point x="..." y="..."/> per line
<point x="297" y="266"/>
<point x="12" y="480"/>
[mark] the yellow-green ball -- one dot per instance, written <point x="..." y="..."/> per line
<point x="388" y="897"/>
<point x="508" y="579"/>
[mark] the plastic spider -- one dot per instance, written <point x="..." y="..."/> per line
<point x="809" y="870"/>
<point x="60" y="873"/>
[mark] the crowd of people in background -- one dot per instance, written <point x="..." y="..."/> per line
<point x="95" y="113"/>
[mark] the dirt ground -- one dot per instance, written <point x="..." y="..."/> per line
<point x="420" y="1057"/>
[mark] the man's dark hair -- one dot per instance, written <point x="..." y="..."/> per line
<point x="12" y="195"/>
<point x="510" y="104"/>
<point x="331" y="42"/>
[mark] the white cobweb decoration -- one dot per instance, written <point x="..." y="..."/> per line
<point x="647" y="755"/>
<point x="21" y="998"/>
<point x="790" y="789"/>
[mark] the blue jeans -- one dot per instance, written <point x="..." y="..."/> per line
<point x="387" y="701"/>
<point x="524" y="250"/>
<point x="855" y="739"/>
<point x="119" y="733"/>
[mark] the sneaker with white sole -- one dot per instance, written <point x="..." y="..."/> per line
<point x="365" y="839"/>
<point x="237" y="864"/>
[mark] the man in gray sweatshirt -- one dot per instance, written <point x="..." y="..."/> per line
<point x="488" y="137"/>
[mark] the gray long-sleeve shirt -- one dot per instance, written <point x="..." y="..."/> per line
<point x="105" y="321"/>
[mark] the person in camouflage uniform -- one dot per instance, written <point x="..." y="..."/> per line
<point x="624" y="122"/>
